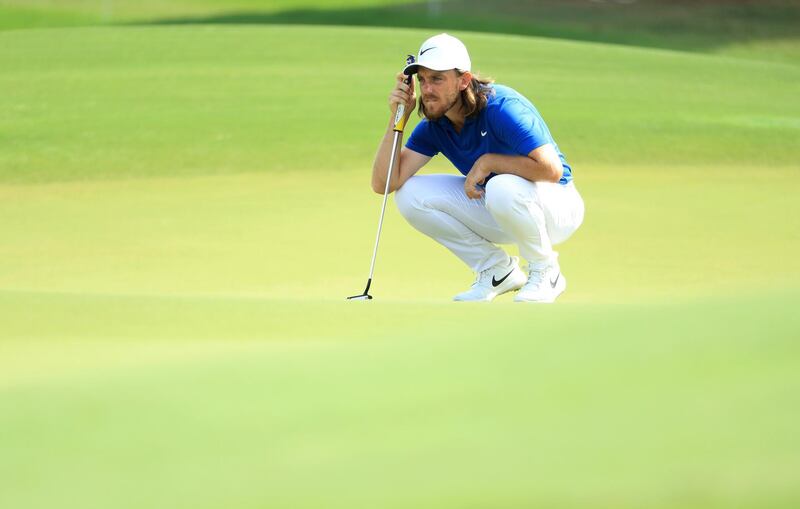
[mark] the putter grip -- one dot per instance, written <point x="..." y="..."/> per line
<point x="399" y="120"/>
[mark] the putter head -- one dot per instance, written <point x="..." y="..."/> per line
<point x="360" y="297"/>
<point x="365" y="295"/>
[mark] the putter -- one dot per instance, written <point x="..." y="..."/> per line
<point x="399" y="125"/>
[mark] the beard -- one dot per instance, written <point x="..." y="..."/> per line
<point x="435" y="114"/>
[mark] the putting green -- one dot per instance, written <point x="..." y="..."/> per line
<point x="183" y="211"/>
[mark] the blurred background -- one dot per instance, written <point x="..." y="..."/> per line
<point x="765" y="29"/>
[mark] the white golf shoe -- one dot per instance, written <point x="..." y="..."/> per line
<point x="545" y="283"/>
<point x="494" y="281"/>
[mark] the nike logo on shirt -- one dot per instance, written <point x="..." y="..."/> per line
<point x="553" y="283"/>
<point x="483" y="133"/>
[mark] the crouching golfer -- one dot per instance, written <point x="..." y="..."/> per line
<point x="517" y="186"/>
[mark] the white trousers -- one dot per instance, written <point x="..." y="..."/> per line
<point x="532" y="215"/>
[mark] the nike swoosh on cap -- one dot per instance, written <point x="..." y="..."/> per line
<point x="495" y="282"/>
<point x="426" y="50"/>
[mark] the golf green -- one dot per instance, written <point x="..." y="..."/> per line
<point x="184" y="209"/>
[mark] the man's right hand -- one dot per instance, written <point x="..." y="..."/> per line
<point x="403" y="94"/>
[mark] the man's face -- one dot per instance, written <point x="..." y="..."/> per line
<point x="440" y="91"/>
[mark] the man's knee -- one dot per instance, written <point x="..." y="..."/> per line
<point x="407" y="197"/>
<point x="507" y="193"/>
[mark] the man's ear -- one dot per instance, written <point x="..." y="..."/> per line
<point x="465" y="79"/>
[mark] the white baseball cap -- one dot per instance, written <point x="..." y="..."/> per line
<point x="441" y="53"/>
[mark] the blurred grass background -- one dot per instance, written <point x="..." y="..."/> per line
<point x="763" y="29"/>
<point x="181" y="223"/>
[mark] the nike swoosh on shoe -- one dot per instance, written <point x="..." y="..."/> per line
<point x="496" y="282"/>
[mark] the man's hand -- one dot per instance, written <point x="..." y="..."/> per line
<point x="403" y="94"/>
<point x="477" y="175"/>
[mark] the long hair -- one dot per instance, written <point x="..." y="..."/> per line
<point x="473" y="98"/>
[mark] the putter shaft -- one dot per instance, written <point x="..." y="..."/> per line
<point x="399" y="125"/>
<point x="383" y="206"/>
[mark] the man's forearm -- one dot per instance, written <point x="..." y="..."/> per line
<point x="525" y="167"/>
<point x="380" y="167"/>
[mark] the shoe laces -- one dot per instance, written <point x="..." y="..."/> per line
<point x="482" y="277"/>
<point x="536" y="275"/>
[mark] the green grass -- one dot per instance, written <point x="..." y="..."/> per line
<point x="757" y="29"/>
<point x="136" y="102"/>
<point x="212" y="402"/>
<point x="184" y="209"/>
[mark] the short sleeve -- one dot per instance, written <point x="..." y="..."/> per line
<point x="519" y="127"/>
<point x="422" y="140"/>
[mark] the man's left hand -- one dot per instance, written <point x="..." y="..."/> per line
<point x="477" y="175"/>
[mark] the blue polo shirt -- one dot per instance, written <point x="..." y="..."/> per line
<point x="509" y="125"/>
